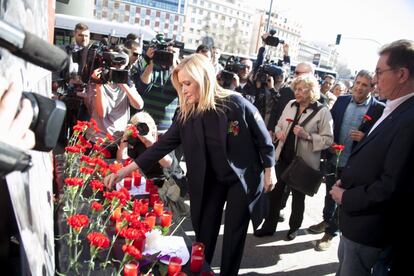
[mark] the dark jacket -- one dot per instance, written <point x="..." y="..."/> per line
<point x="248" y="152"/>
<point x="338" y="110"/>
<point x="378" y="179"/>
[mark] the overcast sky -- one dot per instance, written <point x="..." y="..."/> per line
<point x="380" y="20"/>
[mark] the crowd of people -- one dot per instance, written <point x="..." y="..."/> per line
<point x="195" y="112"/>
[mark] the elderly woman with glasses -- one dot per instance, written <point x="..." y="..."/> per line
<point x="307" y="141"/>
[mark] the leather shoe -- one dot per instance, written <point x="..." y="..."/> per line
<point x="263" y="232"/>
<point x="318" y="228"/>
<point x="281" y="216"/>
<point x="324" y="243"/>
<point x="291" y="235"/>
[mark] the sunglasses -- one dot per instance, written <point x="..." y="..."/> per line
<point x="135" y="54"/>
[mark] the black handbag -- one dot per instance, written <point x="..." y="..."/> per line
<point x="299" y="175"/>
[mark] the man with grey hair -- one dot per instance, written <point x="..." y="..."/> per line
<point x="304" y="68"/>
<point x="348" y="115"/>
<point x="375" y="191"/>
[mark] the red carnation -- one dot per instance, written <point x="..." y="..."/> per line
<point x="74" y="181"/>
<point x="97" y="185"/>
<point x="77" y="221"/>
<point x="98" y="240"/>
<point x="338" y="147"/>
<point x="132" y="251"/>
<point x="367" y="118"/>
<point x="96" y="206"/>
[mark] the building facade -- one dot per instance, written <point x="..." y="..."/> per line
<point x="162" y="16"/>
<point x="226" y="24"/>
<point x="287" y="30"/>
<point x="325" y="57"/>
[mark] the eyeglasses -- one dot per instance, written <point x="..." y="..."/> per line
<point x="301" y="90"/>
<point x="379" y="72"/>
<point x="299" y="73"/>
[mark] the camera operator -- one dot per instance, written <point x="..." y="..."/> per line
<point x="111" y="101"/>
<point x="154" y="84"/>
<point x="135" y="64"/>
<point x="69" y="86"/>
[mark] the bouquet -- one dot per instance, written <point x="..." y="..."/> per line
<point x="110" y="225"/>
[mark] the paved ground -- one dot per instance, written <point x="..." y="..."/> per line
<point x="274" y="256"/>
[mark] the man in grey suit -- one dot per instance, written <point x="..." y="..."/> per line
<point x="375" y="191"/>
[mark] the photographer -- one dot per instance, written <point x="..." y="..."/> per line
<point x="167" y="173"/>
<point x="154" y="84"/>
<point x="228" y="80"/>
<point x="110" y="104"/>
<point x="69" y="85"/>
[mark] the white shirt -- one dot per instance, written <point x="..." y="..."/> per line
<point x="390" y="106"/>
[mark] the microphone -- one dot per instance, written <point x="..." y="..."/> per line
<point x="32" y="48"/>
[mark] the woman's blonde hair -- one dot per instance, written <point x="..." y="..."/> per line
<point x="144" y="117"/>
<point x="202" y="72"/>
<point x="311" y="84"/>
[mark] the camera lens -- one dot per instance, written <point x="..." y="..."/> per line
<point x="143" y="129"/>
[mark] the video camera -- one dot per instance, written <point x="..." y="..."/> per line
<point x="232" y="67"/>
<point x="135" y="146"/>
<point x="272" y="40"/>
<point x="266" y="70"/>
<point x="162" y="56"/>
<point x="101" y="55"/>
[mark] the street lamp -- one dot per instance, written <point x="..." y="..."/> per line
<point x="268" y="18"/>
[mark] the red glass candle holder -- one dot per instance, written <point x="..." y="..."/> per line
<point x="150" y="219"/>
<point x="197" y="257"/>
<point x="158" y="207"/>
<point x="137" y="178"/>
<point x="153" y="189"/>
<point x="166" y="219"/>
<point x="174" y="265"/>
<point x="139" y="243"/>
<point x="148" y="184"/>
<point x="196" y="263"/>
<point x="131" y="269"/>
<point x="153" y="197"/>
<point x="137" y="206"/>
<point x="116" y="214"/>
<point x="144" y="206"/>
<point x="127" y="183"/>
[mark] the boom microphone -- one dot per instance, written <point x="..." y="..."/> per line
<point x="32" y="48"/>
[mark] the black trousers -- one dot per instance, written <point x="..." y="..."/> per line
<point x="236" y="222"/>
<point x="277" y="201"/>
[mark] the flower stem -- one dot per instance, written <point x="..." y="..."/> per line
<point x="110" y="248"/>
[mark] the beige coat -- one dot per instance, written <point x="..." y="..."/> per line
<point x="320" y="127"/>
